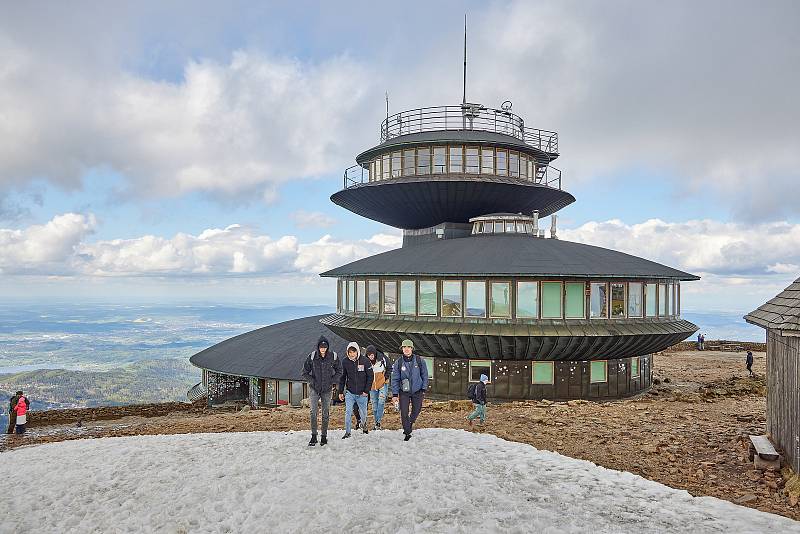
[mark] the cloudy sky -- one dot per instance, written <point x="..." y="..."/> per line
<point x="188" y="150"/>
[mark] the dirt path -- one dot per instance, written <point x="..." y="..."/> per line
<point x="689" y="432"/>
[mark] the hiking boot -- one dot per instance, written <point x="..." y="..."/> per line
<point x="313" y="441"/>
<point x="366" y="430"/>
<point x="358" y="425"/>
<point x="377" y="426"/>
<point x="323" y="441"/>
<point x="347" y="435"/>
<point x="408" y="437"/>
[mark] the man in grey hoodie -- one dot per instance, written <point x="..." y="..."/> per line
<point x="322" y="370"/>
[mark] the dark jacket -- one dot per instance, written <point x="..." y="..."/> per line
<point x="412" y="368"/>
<point x="480" y="393"/>
<point x="356" y="376"/>
<point x="322" y="373"/>
<point x="749" y="359"/>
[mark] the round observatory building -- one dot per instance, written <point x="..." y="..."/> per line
<point x="477" y="285"/>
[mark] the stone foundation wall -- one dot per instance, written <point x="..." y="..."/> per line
<point x="692" y="345"/>
<point x="73" y="415"/>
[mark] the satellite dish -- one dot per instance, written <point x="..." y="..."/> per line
<point x="506" y="106"/>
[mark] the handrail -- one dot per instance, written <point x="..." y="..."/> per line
<point x="467" y="117"/>
<point x="545" y="175"/>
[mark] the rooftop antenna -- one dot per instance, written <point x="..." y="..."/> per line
<point x="387" y="107"/>
<point x="464" y="98"/>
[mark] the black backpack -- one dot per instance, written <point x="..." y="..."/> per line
<point x="471" y="390"/>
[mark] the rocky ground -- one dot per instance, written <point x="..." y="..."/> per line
<point x="689" y="432"/>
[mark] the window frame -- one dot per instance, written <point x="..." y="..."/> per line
<point x="638" y="374"/>
<point x="361" y="298"/>
<point x="417" y="159"/>
<point x="647" y="299"/>
<point x="510" y="300"/>
<point x="550" y="364"/>
<point x="461" y="294"/>
<point x="561" y="299"/>
<point x="400" y="298"/>
<point x="351" y="295"/>
<point x="458" y="149"/>
<point x="466" y="298"/>
<point x="486" y="363"/>
<point x="419" y="300"/>
<point x="641" y="301"/>
<point x="367" y="294"/>
<point x="517" y="299"/>
<point x="608" y="301"/>
<point x="583" y="301"/>
<point x="605" y="372"/>
<point x="383" y="297"/>
<point x="611" y="300"/>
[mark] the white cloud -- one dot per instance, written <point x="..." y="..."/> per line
<point x="312" y="219"/>
<point x="700" y="246"/>
<point x="60" y="247"/>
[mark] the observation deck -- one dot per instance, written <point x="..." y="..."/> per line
<point x="452" y="163"/>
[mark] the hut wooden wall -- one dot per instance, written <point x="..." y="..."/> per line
<point x="783" y="396"/>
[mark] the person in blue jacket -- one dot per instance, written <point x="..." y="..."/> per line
<point x="409" y="383"/>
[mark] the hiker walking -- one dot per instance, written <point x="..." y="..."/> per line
<point x="409" y="383"/>
<point x="354" y="386"/>
<point x="749" y="362"/>
<point x="479" y="400"/>
<point x="21" y="409"/>
<point x="322" y="370"/>
<point x="381" y="371"/>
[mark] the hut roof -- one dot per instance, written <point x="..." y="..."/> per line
<point x="276" y="351"/>
<point x="781" y="312"/>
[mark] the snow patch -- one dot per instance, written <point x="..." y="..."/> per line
<point x="440" y="481"/>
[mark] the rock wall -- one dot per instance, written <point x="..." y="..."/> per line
<point x="73" y="415"/>
<point x="711" y="344"/>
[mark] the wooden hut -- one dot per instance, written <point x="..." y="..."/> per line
<point x="781" y="318"/>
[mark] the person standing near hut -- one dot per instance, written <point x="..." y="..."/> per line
<point x="21" y="409"/>
<point x="322" y="370"/>
<point x="12" y="414"/>
<point x="354" y="386"/>
<point x="381" y="371"/>
<point x="409" y="383"/>
<point x="749" y="362"/>
<point x="479" y="400"/>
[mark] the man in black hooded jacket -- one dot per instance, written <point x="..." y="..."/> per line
<point x="322" y="370"/>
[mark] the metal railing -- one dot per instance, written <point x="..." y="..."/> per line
<point x="467" y="117"/>
<point x="545" y="175"/>
<point x="197" y="392"/>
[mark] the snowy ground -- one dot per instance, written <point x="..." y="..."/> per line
<point x="440" y="481"/>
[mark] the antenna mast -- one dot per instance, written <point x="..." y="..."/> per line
<point x="387" y="106"/>
<point x="464" y="98"/>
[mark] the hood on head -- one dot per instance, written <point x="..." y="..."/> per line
<point x="354" y="345"/>
<point x="321" y="340"/>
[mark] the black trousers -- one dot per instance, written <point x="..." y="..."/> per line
<point x="415" y="400"/>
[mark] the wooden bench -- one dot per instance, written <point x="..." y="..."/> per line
<point x="760" y="445"/>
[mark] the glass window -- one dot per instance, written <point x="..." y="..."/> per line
<point x="502" y="162"/>
<point x="499" y="227"/>
<point x="617" y="300"/>
<point x="542" y="373"/>
<point x="339" y="295"/>
<point x="662" y="299"/>
<point x="389" y="297"/>
<point x="575" y="300"/>
<point x="551" y="300"/>
<point x="501" y="299"/>
<point x="635" y="299"/>
<point x="487" y="161"/>
<point x="473" y="163"/>
<point x="439" y="160"/>
<point x="513" y="164"/>
<point x="674" y="299"/>
<point x="351" y="295"/>
<point x="476" y="299"/>
<point x="679" y="298"/>
<point x="385" y="170"/>
<point x="373" y="296"/>
<point x="520" y="227"/>
<point x="428" y="297"/>
<point x="528" y="228"/>
<point x="478" y="368"/>
<point x="297" y="393"/>
<point x="510" y="228"/>
<point x="429" y="365"/>
<point x="451" y="298"/>
<point x="360" y="295"/>
<point x="598" y="300"/>
<point x="598" y="371"/>
<point x="409" y="162"/>
<point x="396" y="164"/>
<point x="424" y="160"/>
<point x="523" y="165"/>
<point x="531" y="169"/>
<point x="372" y="175"/>
<point x="456" y="159"/>
<point x="650" y="299"/>
<point x="635" y="367"/>
<point x="408" y="297"/>
<point x="283" y="392"/>
<point x="527" y="300"/>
